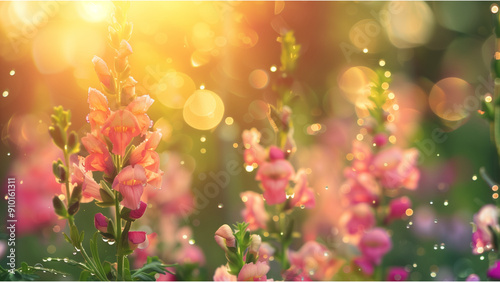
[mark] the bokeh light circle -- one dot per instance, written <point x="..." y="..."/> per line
<point x="355" y="84"/>
<point x="203" y="110"/>
<point x="452" y="99"/>
<point x="258" y="79"/>
<point x="173" y="89"/>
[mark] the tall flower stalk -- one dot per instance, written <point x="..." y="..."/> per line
<point x="122" y="149"/>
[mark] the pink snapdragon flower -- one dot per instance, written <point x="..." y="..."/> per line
<point x="360" y="188"/>
<point x="138" y="213"/>
<point x="254" y="213"/>
<point x="274" y="177"/>
<point x="312" y="262"/>
<point x="224" y="237"/>
<point x="135" y="238"/>
<point x="397" y="274"/>
<point x="222" y="274"/>
<point x="482" y="239"/>
<point x="265" y="252"/>
<point x="358" y="219"/>
<point x="130" y="182"/>
<point x="397" y="168"/>
<point x="191" y="254"/>
<point x="99" y="158"/>
<point x="375" y="244"/>
<point x="101" y="222"/>
<point x="146" y="156"/>
<point x="120" y="127"/>
<point x="90" y="188"/>
<point x="254" y="272"/>
<point x="254" y="152"/>
<point x="103" y="73"/>
<point x="397" y="208"/>
<point x="139" y="107"/>
<point x="99" y="110"/>
<point x="303" y="194"/>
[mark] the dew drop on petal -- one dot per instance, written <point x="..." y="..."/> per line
<point x="12" y="72"/>
<point x="191" y="242"/>
<point x="66" y="260"/>
<point x="220" y="206"/>
<point x="5" y="93"/>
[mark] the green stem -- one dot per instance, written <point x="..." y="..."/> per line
<point x="118" y="238"/>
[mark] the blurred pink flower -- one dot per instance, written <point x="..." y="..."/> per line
<point x="191" y="254"/>
<point x="99" y="110"/>
<point x="375" y="244"/>
<point x="103" y="73"/>
<point x="120" y="127"/>
<point x="99" y="158"/>
<point x="361" y="188"/>
<point x="265" y="252"/>
<point x="397" y="274"/>
<point x="473" y="277"/>
<point x="303" y="194"/>
<point x="254" y="152"/>
<point x="222" y="274"/>
<point x="101" y="222"/>
<point x="135" y="238"/>
<point x="254" y="213"/>
<point x="254" y="272"/>
<point x="167" y="276"/>
<point x="397" y="168"/>
<point x="274" y="177"/>
<point x="482" y="239"/>
<point x="141" y="255"/>
<point x="139" y="106"/>
<point x="128" y="88"/>
<point x="224" y="237"/>
<point x="125" y="49"/>
<point x="365" y="265"/>
<point x="494" y="271"/>
<point x="397" y="208"/>
<point x="130" y="182"/>
<point x="146" y="156"/>
<point x="313" y="261"/>
<point x="357" y="220"/>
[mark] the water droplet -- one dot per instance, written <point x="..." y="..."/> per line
<point x="104" y="239"/>
<point x="74" y="253"/>
<point x="302" y="207"/>
<point x="5" y="93"/>
<point x="435" y="220"/>
<point x="435" y="246"/>
<point x="78" y="250"/>
<point x="220" y="206"/>
<point x="481" y="257"/>
<point x="49" y="259"/>
<point x="38" y="265"/>
<point x="431" y="202"/>
<point x="44" y="260"/>
<point x="58" y="259"/>
<point x="442" y="246"/>
<point x="64" y="276"/>
<point x="474" y="177"/>
<point x="445" y="203"/>
<point x="111" y="242"/>
<point x="203" y="139"/>
<point x="433" y="274"/>
<point x="326" y="188"/>
<point x="415" y="265"/>
<point x="191" y="242"/>
<point x="326" y="254"/>
<point x="66" y="260"/>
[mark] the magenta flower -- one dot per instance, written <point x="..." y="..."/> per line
<point x="224" y="237"/>
<point x="482" y="239"/>
<point x="303" y="194"/>
<point x="375" y="244"/>
<point x="121" y="127"/>
<point x="254" y="213"/>
<point x="139" y="106"/>
<point x="103" y="73"/>
<point x="494" y="271"/>
<point x="101" y="222"/>
<point x="99" y="110"/>
<point x="380" y="139"/>
<point x="254" y="272"/>
<point x="222" y="274"/>
<point x="130" y="182"/>
<point x="146" y="156"/>
<point x="135" y="238"/>
<point x="274" y="177"/>
<point x="138" y="213"/>
<point x="99" y="158"/>
<point x="254" y="152"/>
<point x="365" y="265"/>
<point x="397" y="274"/>
<point x="473" y="277"/>
<point x="397" y="208"/>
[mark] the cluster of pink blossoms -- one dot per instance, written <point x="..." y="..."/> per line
<point x="130" y="169"/>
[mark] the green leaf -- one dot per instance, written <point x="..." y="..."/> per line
<point x="149" y="270"/>
<point x="73" y="144"/>
<point x="57" y="136"/>
<point x="59" y="207"/>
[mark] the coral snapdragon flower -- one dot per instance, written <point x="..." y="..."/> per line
<point x="146" y="156"/>
<point x="139" y="106"/>
<point x="303" y="194"/>
<point x="99" y="110"/>
<point x="224" y="237"/>
<point x="99" y="158"/>
<point x="254" y="213"/>
<point x="274" y="176"/>
<point x="121" y="127"/>
<point x="130" y="182"/>
<point x="254" y="272"/>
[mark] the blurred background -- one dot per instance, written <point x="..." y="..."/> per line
<point x="437" y="53"/>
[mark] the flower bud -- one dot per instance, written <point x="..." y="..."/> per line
<point x="135" y="238"/>
<point x="255" y="244"/>
<point x="380" y="139"/>
<point x="103" y="73"/>
<point x="224" y="237"/>
<point x="276" y="153"/>
<point x="101" y="222"/>
<point x="134" y="214"/>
